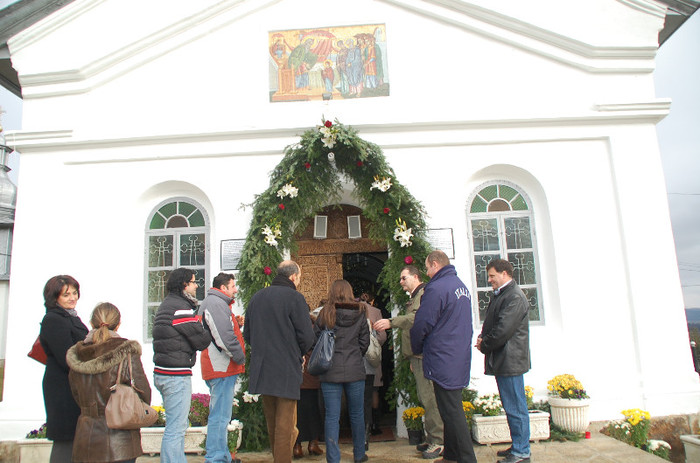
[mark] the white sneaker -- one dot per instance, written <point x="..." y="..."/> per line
<point x="432" y="452"/>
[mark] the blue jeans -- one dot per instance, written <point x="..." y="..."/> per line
<point x="221" y="391"/>
<point x="177" y="395"/>
<point x="354" y="394"/>
<point x="512" y="391"/>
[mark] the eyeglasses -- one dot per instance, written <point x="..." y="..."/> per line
<point x="403" y="278"/>
<point x="192" y="282"/>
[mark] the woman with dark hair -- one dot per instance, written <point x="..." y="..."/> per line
<point x="61" y="328"/>
<point x="347" y="318"/>
<point x="94" y="364"/>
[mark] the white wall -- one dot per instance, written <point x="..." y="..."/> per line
<point x="186" y="113"/>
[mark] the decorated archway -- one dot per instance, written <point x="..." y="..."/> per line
<point x="310" y="177"/>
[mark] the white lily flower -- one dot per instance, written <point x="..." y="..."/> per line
<point x="250" y="398"/>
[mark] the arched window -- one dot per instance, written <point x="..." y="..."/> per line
<point x="501" y="224"/>
<point x="177" y="236"/>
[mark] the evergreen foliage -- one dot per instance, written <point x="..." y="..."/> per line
<point x="310" y="177"/>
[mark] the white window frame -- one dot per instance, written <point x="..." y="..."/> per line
<point x="203" y="282"/>
<point x="503" y="251"/>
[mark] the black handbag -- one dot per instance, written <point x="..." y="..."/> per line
<point x="321" y="358"/>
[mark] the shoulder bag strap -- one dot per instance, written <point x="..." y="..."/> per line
<point x="131" y="377"/>
<point x="119" y="376"/>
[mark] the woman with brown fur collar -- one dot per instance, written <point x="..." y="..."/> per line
<point x="94" y="364"/>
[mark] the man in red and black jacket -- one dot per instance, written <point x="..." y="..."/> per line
<point x="177" y="336"/>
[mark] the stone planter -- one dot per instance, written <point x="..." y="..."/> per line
<point x="691" y="444"/>
<point x="494" y="429"/>
<point x="152" y="437"/>
<point x="34" y="450"/>
<point x="570" y="414"/>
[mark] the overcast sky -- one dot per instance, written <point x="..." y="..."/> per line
<point x="677" y="77"/>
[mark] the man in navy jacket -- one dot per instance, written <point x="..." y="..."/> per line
<point x="442" y="332"/>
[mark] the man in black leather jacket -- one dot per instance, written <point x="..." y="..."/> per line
<point x="504" y="340"/>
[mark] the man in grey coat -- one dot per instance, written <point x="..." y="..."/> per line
<point x="221" y="362"/>
<point x="504" y="340"/>
<point x="278" y="331"/>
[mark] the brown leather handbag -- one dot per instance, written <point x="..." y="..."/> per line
<point x="125" y="409"/>
<point x="37" y="352"/>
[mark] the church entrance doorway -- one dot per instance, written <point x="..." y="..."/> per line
<point x="359" y="260"/>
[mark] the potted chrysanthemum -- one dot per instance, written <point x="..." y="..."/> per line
<point x="490" y="425"/>
<point x="413" y="419"/>
<point x="569" y="403"/>
<point x="35" y="447"/>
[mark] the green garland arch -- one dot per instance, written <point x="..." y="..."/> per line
<point x="306" y="180"/>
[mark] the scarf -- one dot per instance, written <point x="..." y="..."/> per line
<point x="72" y="312"/>
<point x="190" y="298"/>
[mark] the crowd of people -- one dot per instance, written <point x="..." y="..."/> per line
<point x="281" y="330"/>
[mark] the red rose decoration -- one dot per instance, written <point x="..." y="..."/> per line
<point x="281" y="206"/>
<point x="386" y="210"/>
<point x="328" y="124"/>
<point x="267" y="270"/>
<point x="307" y="164"/>
<point x="359" y="163"/>
<point x="408" y="260"/>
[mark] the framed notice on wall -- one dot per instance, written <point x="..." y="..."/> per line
<point x="231" y="254"/>
<point x="442" y="239"/>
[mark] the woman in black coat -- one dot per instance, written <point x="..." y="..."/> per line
<point x="60" y="330"/>
<point x="348" y="319"/>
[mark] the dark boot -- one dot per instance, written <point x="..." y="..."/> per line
<point x="314" y="449"/>
<point x="376" y="430"/>
<point x="298" y="451"/>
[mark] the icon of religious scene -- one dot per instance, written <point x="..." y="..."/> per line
<point x="328" y="63"/>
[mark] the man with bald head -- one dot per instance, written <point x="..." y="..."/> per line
<point x="442" y="332"/>
<point x="279" y="333"/>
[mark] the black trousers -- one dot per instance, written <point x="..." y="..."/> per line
<point x="309" y="420"/>
<point x="458" y="439"/>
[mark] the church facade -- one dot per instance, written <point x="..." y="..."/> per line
<point x="525" y="129"/>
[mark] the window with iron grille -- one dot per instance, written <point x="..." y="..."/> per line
<point x="501" y="226"/>
<point x="177" y="236"/>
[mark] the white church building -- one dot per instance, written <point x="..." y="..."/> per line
<point x="525" y="128"/>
